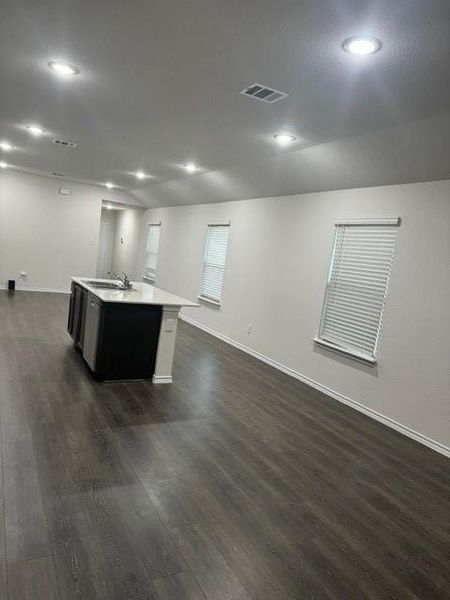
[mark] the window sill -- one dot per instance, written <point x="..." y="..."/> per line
<point x="352" y="353"/>
<point x="210" y="301"/>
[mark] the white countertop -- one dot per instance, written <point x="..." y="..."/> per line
<point x="142" y="293"/>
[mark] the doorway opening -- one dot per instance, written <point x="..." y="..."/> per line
<point x="108" y="222"/>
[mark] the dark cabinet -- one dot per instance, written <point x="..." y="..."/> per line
<point x="118" y="340"/>
<point x="126" y="340"/>
<point x="77" y="314"/>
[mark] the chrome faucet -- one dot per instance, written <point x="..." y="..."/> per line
<point x="124" y="280"/>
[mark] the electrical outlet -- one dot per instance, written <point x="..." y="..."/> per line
<point x="23" y="274"/>
<point x="250" y="329"/>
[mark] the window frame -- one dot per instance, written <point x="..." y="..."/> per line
<point x="200" y="296"/>
<point x="318" y="339"/>
<point x="145" y="276"/>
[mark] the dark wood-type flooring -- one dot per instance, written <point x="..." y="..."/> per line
<point x="234" y="483"/>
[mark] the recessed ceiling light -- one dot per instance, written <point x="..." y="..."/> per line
<point x="191" y="168"/>
<point x="3" y="165"/>
<point x="35" y="130"/>
<point x="62" y="68"/>
<point x="361" y="45"/>
<point x="284" y="139"/>
<point x="110" y="185"/>
<point x="6" y="146"/>
<point x="141" y="175"/>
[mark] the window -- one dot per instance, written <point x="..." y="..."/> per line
<point x="151" y="254"/>
<point x="357" y="284"/>
<point x="214" y="263"/>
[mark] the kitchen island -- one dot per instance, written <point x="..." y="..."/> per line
<point x="124" y="333"/>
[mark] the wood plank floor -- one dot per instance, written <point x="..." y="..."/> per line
<point x="235" y="483"/>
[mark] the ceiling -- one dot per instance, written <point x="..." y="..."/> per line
<point x="159" y="86"/>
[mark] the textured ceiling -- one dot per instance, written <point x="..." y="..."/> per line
<point x="160" y="80"/>
<point x="407" y="153"/>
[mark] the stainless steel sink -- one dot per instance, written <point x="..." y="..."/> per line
<point x="105" y="285"/>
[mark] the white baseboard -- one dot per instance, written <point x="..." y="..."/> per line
<point x="33" y="289"/>
<point x="162" y="379"/>
<point x="415" y="435"/>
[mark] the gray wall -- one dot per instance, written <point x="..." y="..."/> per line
<point x="277" y="265"/>
<point x="49" y="236"/>
<point x="127" y="252"/>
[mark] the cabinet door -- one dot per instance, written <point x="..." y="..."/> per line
<point x="77" y="314"/>
<point x="71" y="310"/>
<point x="77" y="303"/>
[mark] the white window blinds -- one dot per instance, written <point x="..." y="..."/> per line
<point x="357" y="285"/>
<point x="214" y="263"/>
<point x="152" y="248"/>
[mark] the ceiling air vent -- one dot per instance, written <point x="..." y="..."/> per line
<point x="263" y="93"/>
<point x="55" y="174"/>
<point x="64" y="143"/>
